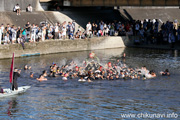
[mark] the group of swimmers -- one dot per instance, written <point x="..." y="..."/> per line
<point x="91" y="70"/>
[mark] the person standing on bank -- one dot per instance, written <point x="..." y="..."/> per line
<point x="16" y="74"/>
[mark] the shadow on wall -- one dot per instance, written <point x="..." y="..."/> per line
<point x="55" y="5"/>
<point x="128" y="15"/>
<point x="94" y="14"/>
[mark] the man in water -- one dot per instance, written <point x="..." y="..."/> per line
<point x="16" y="74"/>
<point x="31" y="74"/>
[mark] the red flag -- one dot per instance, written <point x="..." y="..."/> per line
<point x="11" y="70"/>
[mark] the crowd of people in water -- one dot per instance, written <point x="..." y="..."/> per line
<point x="91" y="69"/>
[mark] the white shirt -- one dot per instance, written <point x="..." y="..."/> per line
<point x="33" y="29"/>
<point x="64" y="31"/>
<point x="89" y="26"/>
<point x="56" y="28"/>
<point x="30" y="8"/>
<point x="153" y="21"/>
<point x="105" y="26"/>
<point x="2" y="29"/>
<point x="17" y="7"/>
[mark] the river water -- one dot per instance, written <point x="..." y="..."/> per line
<point x="56" y="99"/>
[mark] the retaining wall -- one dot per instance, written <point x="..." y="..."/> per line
<point x="8" y="5"/>
<point x="57" y="46"/>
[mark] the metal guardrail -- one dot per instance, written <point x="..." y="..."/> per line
<point x="111" y="3"/>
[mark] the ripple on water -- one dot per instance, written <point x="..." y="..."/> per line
<point x="56" y="99"/>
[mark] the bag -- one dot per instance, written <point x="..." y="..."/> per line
<point x="14" y="9"/>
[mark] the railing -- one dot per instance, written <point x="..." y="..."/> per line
<point x="82" y="3"/>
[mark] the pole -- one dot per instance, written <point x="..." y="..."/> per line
<point x="11" y="71"/>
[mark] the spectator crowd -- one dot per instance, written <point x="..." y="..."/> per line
<point x="146" y="32"/>
<point x="35" y="32"/>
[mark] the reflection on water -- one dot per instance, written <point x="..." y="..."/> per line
<point x="12" y="107"/>
<point x="56" y="99"/>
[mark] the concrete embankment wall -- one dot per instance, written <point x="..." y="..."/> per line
<point x="57" y="46"/>
<point x="8" y="5"/>
<point x="34" y="17"/>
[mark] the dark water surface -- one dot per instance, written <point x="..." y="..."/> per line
<point x="56" y="99"/>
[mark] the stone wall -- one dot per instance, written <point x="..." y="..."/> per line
<point x="57" y="46"/>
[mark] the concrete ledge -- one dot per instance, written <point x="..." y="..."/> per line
<point x="57" y="46"/>
<point x="8" y="5"/>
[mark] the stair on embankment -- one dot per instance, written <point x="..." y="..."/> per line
<point x="34" y="17"/>
<point x="21" y="20"/>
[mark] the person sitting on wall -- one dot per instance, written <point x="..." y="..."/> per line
<point x="17" y="9"/>
<point x="29" y="8"/>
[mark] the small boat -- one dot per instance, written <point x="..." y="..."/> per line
<point x="9" y="91"/>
